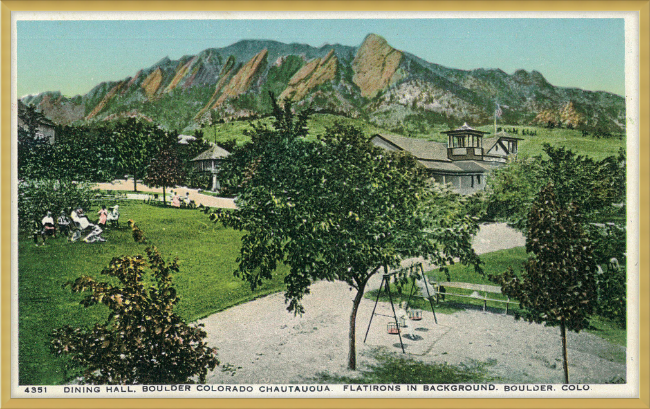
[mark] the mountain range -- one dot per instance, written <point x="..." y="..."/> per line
<point x="376" y="82"/>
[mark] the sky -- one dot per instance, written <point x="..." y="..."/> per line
<point x="74" y="56"/>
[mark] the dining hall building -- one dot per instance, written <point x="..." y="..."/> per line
<point x="463" y="162"/>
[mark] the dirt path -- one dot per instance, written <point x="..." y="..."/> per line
<point x="199" y="198"/>
<point x="260" y="342"/>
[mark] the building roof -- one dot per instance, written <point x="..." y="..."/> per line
<point x="505" y="135"/>
<point x="421" y="149"/>
<point x="215" y="152"/>
<point x="460" y="166"/>
<point x="464" y="130"/>
<point x="185" y="139"/>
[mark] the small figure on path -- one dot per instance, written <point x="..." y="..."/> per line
<point x="402" y="316"/>
<point x="176" y="200"/>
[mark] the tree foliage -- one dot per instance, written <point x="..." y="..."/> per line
<point x="142" y="341"/>
<point x="335" y="209"/>
<point x="609" y="241"/>
<point x="37" y="196"/>
<point x="594" y="186"/>
<point x="558" y="286"/>
<point x="137" y="143"/>
<point x="165" y="170"/>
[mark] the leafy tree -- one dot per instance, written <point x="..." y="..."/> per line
<point x="142" y="341"/>
<point x="165" y="170"/>
<point x="85" y="153"/>
<point x="37" y="196"/>
<point x="609" y="241"/>
<point x="594" y="186"/>
<point x="336" y="209"/>
<point x="558" y="285"/>
<point x="31" y="119"/>
<point x="136" y="144"/>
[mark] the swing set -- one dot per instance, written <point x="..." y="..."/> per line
<point x="414" y="315"/>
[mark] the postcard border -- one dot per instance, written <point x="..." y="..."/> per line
<point x="642" y="7"/>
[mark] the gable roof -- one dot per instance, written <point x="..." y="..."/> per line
<point x="489" y="143"/>
<point x="421" y="149"/>
<point x="215" y="152"/>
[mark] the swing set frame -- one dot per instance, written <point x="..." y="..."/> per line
<point x="386" y="280"/>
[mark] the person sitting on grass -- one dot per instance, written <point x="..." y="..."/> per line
<point x="64" y="224"/>
<point x="48" y="226"/>
<point x="83" y="224"/>
<point x="103" y="215"/>
<point x="113" y="217"/>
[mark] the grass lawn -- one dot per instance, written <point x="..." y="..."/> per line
<point x="205" y="283"/>
<point x="494" y="263"/>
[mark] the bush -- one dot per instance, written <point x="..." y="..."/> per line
<point x="143" y="341"/>
<point x="37" y="196"/>
<point x="609" y="241"/>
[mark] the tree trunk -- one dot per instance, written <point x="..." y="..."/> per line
<point x="564" y="352"/>
<point x="135" y="181"/>
<point x="352" y="354"/>
<point x="164" y="197"/>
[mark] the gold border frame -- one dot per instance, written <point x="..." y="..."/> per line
<point x="642" y="7"/>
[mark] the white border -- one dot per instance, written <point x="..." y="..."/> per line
<point x="629" y="390"/>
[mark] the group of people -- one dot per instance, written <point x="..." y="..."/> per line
<point x="76" y="225"/>
<point x="177" y="201"/>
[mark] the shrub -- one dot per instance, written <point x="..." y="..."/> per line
<point x="143" y="341"/>
<point x="37" y="196"/>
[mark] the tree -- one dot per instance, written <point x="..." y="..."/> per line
<point x="558" y="285"/>
<point x="594" y="186"/>
<point x="165" y="170"/>
<point x="37" y="196"/>
<point x="142" y="341"/>
<point x="336" y="209"/>
<point x="136" y="144"/>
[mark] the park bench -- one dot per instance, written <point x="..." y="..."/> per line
<point x="479" y="292"/>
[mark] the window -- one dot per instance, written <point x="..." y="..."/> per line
<point x="478" y="179"/>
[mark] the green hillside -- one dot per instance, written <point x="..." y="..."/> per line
<point x="597" y="148"/>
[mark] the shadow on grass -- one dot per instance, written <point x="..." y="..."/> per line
<point x="391" y="369"/>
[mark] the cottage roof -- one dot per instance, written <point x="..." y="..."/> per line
<point x="215" y="152"/>
<point x="185" y="139"/>
<point x="488" y="143"/>
<point x="465" y="129"/>
<point x="463" y="166"/>
<point x="421" y="149"/>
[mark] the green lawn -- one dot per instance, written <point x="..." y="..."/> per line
<point x="205" y="283"/>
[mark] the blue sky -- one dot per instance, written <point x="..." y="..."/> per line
<point x="74" y="56"/>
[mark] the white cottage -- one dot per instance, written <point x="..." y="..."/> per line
<point x="463" y="162"/>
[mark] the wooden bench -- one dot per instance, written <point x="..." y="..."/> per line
<point x="477" y="288"/>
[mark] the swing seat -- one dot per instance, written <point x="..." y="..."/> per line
<point x="415" y="315"/>
<point x="392" y="328"/>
